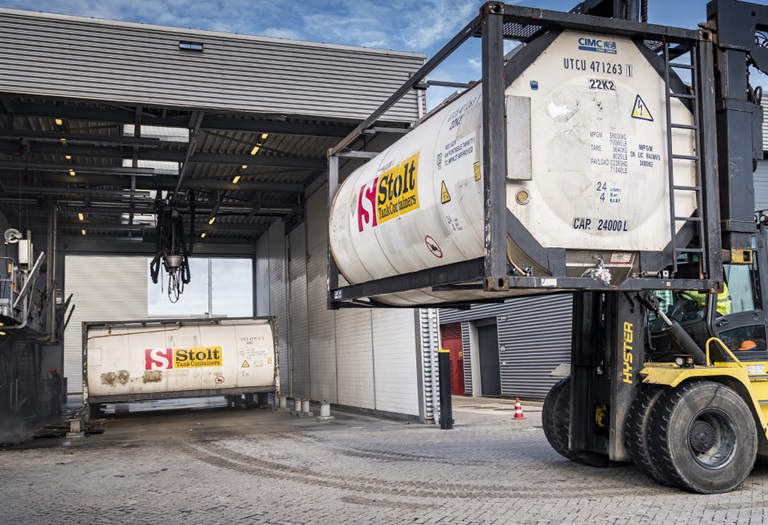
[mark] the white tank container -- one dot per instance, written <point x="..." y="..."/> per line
<point x="587" y="171"/>
<point x="187" y="358"/>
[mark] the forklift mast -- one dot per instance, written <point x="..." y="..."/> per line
<point x="610" y="334"/>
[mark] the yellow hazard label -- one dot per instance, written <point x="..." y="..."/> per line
<point x="269" y="360"/>
<point x="245" y="365"/>
<point x="477" y="170"/>
<point x="640" y="110"/>
<point x="444" y="195"/>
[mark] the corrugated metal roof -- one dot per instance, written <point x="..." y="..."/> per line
<point x="58" y="55"/>
<point x="72" y="84"/>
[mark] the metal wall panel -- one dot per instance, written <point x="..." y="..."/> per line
<point x="322" y="322"/>
<point x="394" y="361"/>
<point x="78" y="57"/>
<point x="467" y="357"/>
<point x="534" y="338"/>
<point x="354" y="358"/>
<point x="261" y="279"/>
<point x="104" y="289"/>
<point x="761" y="185"/>
<point x="429" y="344"/>
<point x="477" y="311"/>
<point x="298" y="314"/>
<point x="278" y="298"/>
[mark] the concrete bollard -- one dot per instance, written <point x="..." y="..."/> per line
<point x="305" y="406"/>
<point x="325" y="412"/>
<point x="283" y="400"/>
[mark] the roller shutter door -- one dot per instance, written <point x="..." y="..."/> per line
<point x="534" y="338"/>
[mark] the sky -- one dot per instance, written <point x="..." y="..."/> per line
<point x="404" y="25"/>
<point x="232" y="290"/>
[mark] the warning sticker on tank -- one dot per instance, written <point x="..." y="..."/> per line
<point x="640" y="110"/>
<point x="445" y="197"/>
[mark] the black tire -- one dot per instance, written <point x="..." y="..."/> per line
<point x="558" y="420"/>
<point x="94" y="411"/>
<point x="250" y="401"/>
<point x="636" y="430"/>
<point x="703" y="437"/>
<point x="548" y="417"/>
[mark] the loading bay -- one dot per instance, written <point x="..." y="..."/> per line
<point x="219" y="465"/>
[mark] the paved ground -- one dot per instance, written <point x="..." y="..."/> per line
<point x="236" y="466"/>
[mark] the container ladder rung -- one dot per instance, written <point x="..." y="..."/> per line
<point x="696" y="187"/>
<point x="684" y="126"/>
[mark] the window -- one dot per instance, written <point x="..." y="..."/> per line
<point x="742" y="287"/>
<point x="231" y="290"/>
<point x="191" y="46"/>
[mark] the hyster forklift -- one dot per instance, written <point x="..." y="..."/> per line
<point x="668" y="362"/>
<point x="673" y="380"/>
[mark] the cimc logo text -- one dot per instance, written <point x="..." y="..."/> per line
<point x="597" y="45"/>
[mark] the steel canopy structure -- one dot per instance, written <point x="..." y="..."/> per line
<point x="98" y="116"/>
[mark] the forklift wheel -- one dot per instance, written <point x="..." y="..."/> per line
<point x="636" y="430"/>
<point x="703" y="437"/>
<point x="558" y="418"/>
<point x="548" y="417"/>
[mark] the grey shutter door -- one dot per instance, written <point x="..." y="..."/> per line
<point x="534" y="338"/>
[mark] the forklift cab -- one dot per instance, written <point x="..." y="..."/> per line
<point x="737" y="317"/>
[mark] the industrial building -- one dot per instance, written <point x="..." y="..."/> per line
<point x="107" y="126"/>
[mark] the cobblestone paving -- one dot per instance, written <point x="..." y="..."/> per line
<point x="230" y="466"/>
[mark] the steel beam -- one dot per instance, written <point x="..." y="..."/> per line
<point x="78" y="138"/>
<point x="494" y="150"/>
<point x="210" y="122"/>
<point x="9" y="179"/>
<point x="167" y="155"/>
<point x="84" y="245"/>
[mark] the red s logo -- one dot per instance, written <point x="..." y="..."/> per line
<point x="366" y="205"/>
<point x="158" y="358"/>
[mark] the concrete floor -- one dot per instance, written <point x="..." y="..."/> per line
<point x="216" y="465"/>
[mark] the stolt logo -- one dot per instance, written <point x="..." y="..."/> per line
<point x="390" y="195"/>
<point x="189" y="357"/>
<point x="158" y="358"/>
<point x="597" y="45"/>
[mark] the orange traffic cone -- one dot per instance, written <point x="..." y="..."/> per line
<point x="518" y="409"/>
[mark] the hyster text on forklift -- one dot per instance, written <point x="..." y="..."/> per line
<point x="605" y="157"/>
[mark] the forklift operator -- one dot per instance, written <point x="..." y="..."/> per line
<point x="700" y="299"/>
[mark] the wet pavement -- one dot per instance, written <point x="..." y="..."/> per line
<point x="211" y="464"/>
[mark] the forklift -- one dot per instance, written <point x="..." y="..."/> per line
<point x="675" y="381"/>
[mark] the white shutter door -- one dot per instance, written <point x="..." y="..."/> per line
<point x="103" y="289"/>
